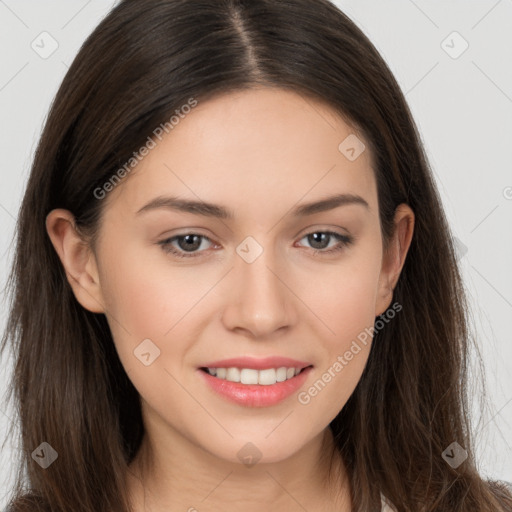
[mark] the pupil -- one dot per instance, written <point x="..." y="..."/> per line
<point x="188" y="238"/>
<point x="315" y="236"/>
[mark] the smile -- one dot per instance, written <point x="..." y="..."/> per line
<point x="266" y="377"/>
<point x="249" y="387"/>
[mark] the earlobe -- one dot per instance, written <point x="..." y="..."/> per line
<point x="77" y="259"/>
<point x="394" y="259"/>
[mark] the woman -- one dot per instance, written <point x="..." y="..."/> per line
<point x="195" y="344"/>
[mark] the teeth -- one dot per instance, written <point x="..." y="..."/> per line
<point x="233" y="374"/>
<point x="267" y="377"/>
<point x="250" y="376"/>
<point x="281" y="374"/>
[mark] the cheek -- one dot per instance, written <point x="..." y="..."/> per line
<point x="147" y="299"/>
<point x="332" y="385"/>
<point x="145" y="294"/>
<point x="344" y="298"/>
<point x="151" y="310"/>
<point x="346" y="307"/>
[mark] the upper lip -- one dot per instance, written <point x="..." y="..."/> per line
<point x="257" y="363"/>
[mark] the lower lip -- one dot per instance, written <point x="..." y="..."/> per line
<point x="256" y="395"/>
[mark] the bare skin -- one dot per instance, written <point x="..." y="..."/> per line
<point x="260" y="154"/>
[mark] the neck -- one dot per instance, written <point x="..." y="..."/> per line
<point x="182" y="476"/>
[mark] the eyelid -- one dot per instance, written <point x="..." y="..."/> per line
<point x="322" y="228"/>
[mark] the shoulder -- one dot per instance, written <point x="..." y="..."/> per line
<point x="386" y="506"/>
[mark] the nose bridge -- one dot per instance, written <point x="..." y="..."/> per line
<point x="259" y="301"/>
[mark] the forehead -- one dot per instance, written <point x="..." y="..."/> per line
<point x="254" y="151"/>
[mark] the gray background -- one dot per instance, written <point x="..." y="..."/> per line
<point x="461" y="103"/>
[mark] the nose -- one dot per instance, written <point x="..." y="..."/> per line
<point x="258" y="300"/>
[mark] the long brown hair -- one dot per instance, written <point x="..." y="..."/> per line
<point x="145" y="60"/>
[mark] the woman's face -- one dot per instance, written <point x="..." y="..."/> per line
<point x="263" y="282"/>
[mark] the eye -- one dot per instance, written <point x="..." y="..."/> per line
<point x="188" y="245"/>
<point x="318" y="241"/>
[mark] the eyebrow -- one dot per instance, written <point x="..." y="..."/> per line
<point x="220" y="212"/>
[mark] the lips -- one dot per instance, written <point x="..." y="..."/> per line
<point x="257" y="364"/>
<point x="263" y="394"/>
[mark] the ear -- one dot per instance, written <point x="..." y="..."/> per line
<point x="77" y="259"/>
<point x="394" y="258"/>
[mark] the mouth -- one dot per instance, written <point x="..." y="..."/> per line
<point x="269" y="384"/>
<point x="252" y="376"/>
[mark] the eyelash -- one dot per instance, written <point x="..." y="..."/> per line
<point x="344" y="241"/>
